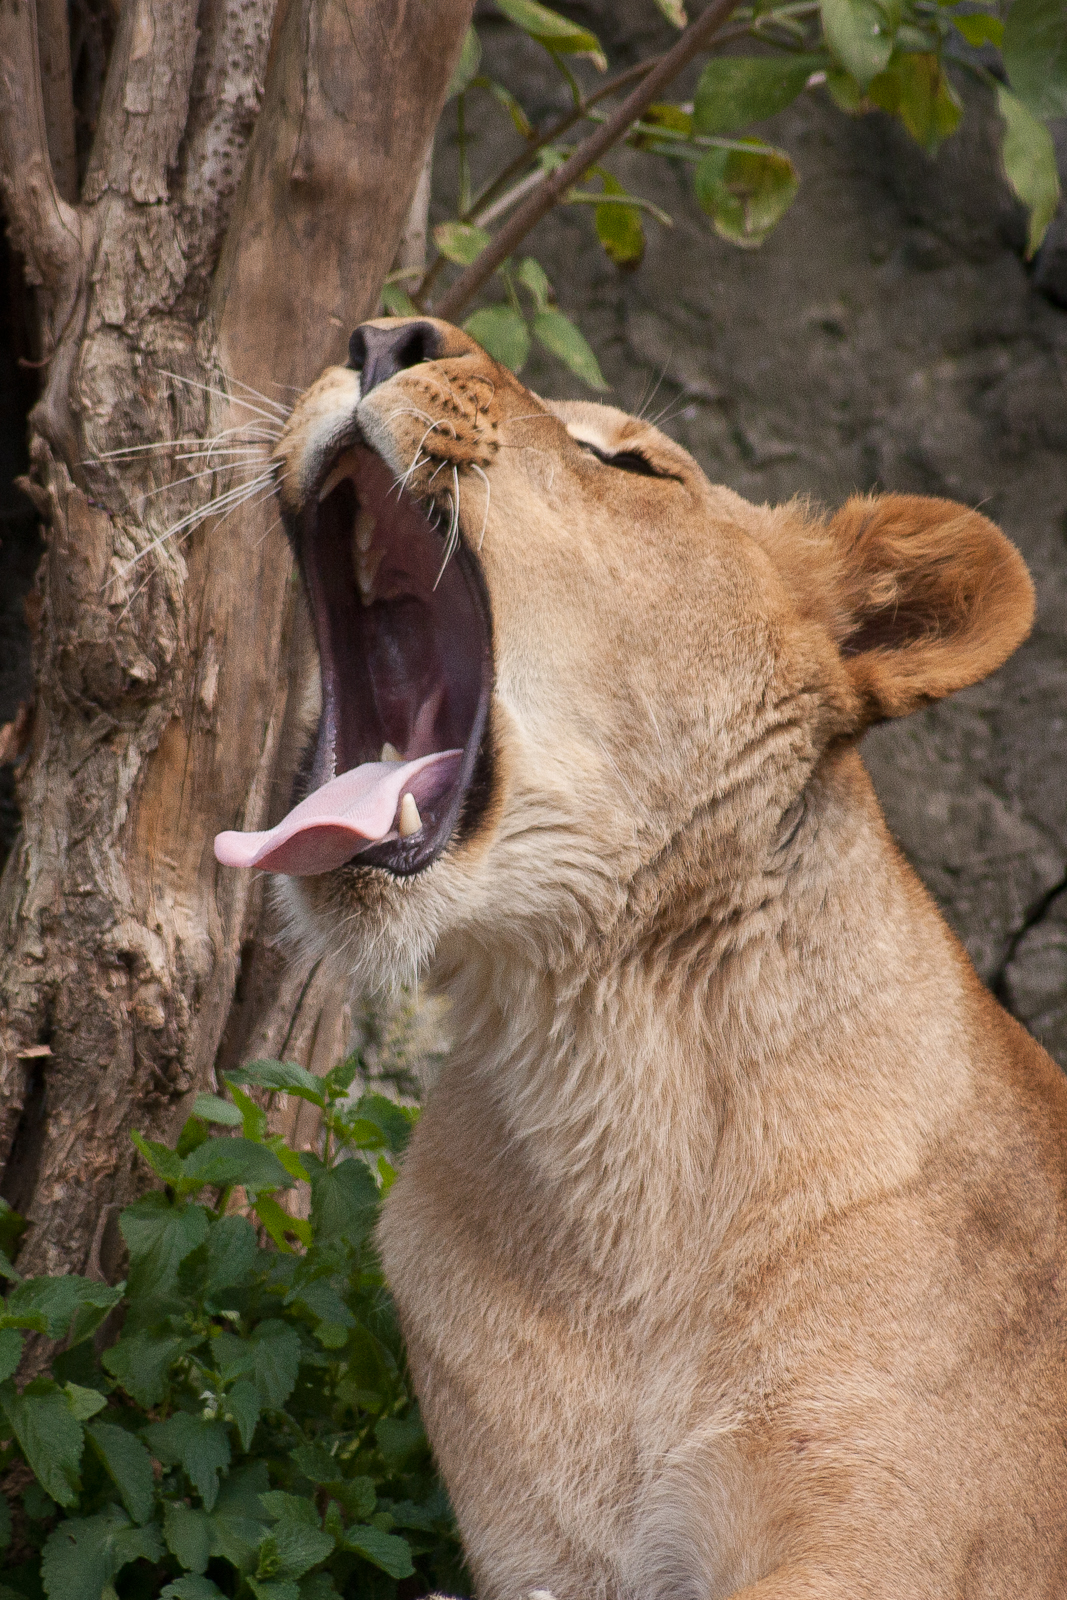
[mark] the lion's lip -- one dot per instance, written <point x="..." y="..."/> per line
<point x="405" y="657"/>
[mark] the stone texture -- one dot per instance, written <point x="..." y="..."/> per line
<point x="888" y="335"/>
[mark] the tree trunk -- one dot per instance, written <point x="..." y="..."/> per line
<point x="246" y="190"/>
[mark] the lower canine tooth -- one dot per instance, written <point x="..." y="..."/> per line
<point x="390" y="752"/>
<point x="366" y="571"/>
<point x="410" y="822"/>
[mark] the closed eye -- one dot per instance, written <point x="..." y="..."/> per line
<point x="628" y="461"/>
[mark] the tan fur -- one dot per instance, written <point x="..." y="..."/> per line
<point x="729" y="1250"/>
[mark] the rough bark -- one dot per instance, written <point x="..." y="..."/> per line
<point x="245" y="193"/>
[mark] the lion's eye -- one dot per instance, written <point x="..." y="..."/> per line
<point x="626" y="460"/>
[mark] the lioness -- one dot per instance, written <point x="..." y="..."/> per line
<point x="730" y="1249"/>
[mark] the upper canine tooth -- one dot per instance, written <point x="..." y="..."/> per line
<point x="410" y="822"/>
<point x="390" y="752"/>
<point x="366" y="522"/>
<point x="340" y="471"/>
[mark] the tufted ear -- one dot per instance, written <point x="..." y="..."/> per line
<point x="930" y="597"/>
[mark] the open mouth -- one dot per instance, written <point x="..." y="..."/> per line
<point x="402" y="622"/>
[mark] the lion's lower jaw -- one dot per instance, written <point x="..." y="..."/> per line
<point x="377" y="939"/>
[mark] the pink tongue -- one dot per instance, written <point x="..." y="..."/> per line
<point x="340" y="819"/>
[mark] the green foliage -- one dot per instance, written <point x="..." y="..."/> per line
<point x="907" y="58"/>
<point x="250" y="1433"/>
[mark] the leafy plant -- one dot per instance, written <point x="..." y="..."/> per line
<point x="904" y="57"/>
<point x="250" y="1432"/>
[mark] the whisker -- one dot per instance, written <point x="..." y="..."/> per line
<point x="170" y="532"/>
<point x="149" y="494"/>
<point x="220" y="394"/>
<point x="453" y="528"/>
<point x="232" y="498"/>
<point x="275" y="405"/>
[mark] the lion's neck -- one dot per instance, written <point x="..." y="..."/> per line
<point x="802" y="1037"/>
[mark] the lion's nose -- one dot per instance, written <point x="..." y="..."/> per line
<point x="380" y="353"/>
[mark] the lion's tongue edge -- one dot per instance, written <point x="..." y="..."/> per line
<point x="354" y="810"/>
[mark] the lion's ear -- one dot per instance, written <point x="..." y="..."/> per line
<point x="930" y="597"/>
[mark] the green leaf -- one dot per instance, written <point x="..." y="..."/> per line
<point x="916" y="89"/>
<point x="293" y="1507"/>
<point x="860" y="34"/>
<point x="213" y="1109"/>
<point x="674" y="11"/>
<point x="317" y="1586"/>
<point x="397" y="301"/>
<point x="49" y="1435"/>
<point x="618" y="227"/>
<point x="384" y="1550"/>
<point x="83" y="1555"/>
<point x="84" y="1403"/>
<point x="520" y="121"/>
<point x="201" y="1448"/>
<point x="469" y="59"/>
<point x="293" y="1548"/>
<point x="284" y="1077"/>
<point x="844" y="91"/>
<point x="393" y="1122"/>
<point x="556" y="33"/>
<point x="979" y="29"/>
<point x="231" y="1356"/>
<point x="56" y="1300"/>
<point x="745" y="192"/>
<point x="187" y="1531"/>
<point x="1035" y="55"/>
<point x="159" y="1234"/>
<point x="128" y="1465"/>
<point x="340" y="1078"/>
<point x="400" y="1438"/>
<point x="279" y="1223"/>
<point x="253" y="1116"/>
<point x="194" y="1131"/>
<point x="289" y="1159"/>
<point x="5" y="1533"/>
<point x="12" y="1227"/>
<point x="559" y="336"/>
<point x="344" y="1203"/>
<point x="736" y="90"/>
<point x="10" y="1352"/>
<point x="1030" y="164"/>
<point x="231" y="1254"/>
<point x="192" y="1587"/>
<point x="228" y="1161"/>
<point x="164" y="1162"/>
<point x="533" y="275"/>
<point x="243" y="1405"/>
<point x="140" y="1362"/>
<point x="275" y="1589"/>
<point x="276" y="1361"/>
<point x="460" y="242"/>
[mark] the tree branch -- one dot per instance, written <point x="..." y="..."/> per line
<point x="44" y="227"/>
<point x="698" y="36"/>
<point x="224" y="101"/>
<point x="146" y="100"/>
<point x="53" y="45"/>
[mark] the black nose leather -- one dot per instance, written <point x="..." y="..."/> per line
<point x="380" y="353"/>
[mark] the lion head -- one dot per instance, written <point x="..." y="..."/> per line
<point x="570" y="687"/>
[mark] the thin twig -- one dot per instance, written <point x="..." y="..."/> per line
<point x="482" y="208"/>
<point x="698" y="36"/>
<point x="46" y="228"/>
